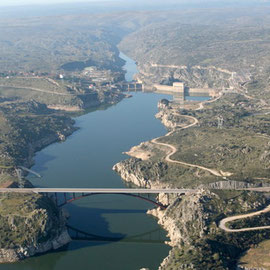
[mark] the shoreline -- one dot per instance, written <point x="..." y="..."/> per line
<point x="131" y="171"/>
<point x="142" y="152"/>
<point x="71" y="128"/>
<point x="12" y="255"/>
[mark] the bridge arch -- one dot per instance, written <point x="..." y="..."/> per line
<point x="75" y="198"/>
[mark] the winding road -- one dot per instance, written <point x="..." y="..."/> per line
<point x="173" y="149"/>
<point x="223" y="222"/>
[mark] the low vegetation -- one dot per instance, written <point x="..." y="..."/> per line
<point x="37" y="217"/>
<point x="26" y="127"/>
<point x="203" y="244"/>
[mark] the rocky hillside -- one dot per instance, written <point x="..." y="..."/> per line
<point x="37" y="226"/>
<point x="197" y="241"/>
<point x="240" y="147"/>
<point x="203" y="50"/>
<point x="196" y="76"/>
<point x="27" y="127"/>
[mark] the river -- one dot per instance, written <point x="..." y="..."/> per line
<point x="85" y="159"/>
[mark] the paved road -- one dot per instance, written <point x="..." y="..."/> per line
<point x="96" y="190"/>
<point x="173" y="149"/>
<point x="223" y="222"/>
<point x="112" y="190"/>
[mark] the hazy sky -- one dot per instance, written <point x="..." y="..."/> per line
<point x="29" y="2"/>
<point x="36" y="2"/>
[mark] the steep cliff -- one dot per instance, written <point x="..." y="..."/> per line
<point x="192" y="225"/>
<point x="36" y="227"/>
<point x="27" y="127"/>
<point x="133" y="171"/>
<point x="192" y="220"/>
<point x="170" y="117"/>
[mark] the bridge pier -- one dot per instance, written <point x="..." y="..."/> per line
<point x="56" y="199"/>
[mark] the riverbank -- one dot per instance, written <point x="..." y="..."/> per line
<point x="26" y="128"/>
<point x="82" y="163"/>
<point x="201" y="209"/>
<point x="88" y="157"/>
<point x="22" y="252"/>
<point x="38" y="226"/>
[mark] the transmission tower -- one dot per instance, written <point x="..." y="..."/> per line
<point x="19" y="170"/>
<point x="20" y="177"/>
<point x="220" y="121"/>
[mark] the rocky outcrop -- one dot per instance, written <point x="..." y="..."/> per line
<point x="37" y="226"/>
<point x="99" y="98"/>
<point x="170" y="117"/>
<point x="192" y="225"/>
<point x="14" y="255"/>
<point x="185" y="218"/>
<point x="131" y="171"/>
<point x="58" y="136"/>
<point x="192" y="219"/>
<point x="167" y="119"/>
<point x="163" y="104"/>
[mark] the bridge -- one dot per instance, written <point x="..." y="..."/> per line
<point x="117" y="190"/>
<point x="131" y="86"/>
<point x="70" y="195"/>
<point x="63" y="196"/>
<point x="97" y="190"/>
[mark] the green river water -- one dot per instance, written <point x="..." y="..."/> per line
<point x="85" y="159"/>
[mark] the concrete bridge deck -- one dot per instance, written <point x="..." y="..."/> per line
<point x="96" y="190"/>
